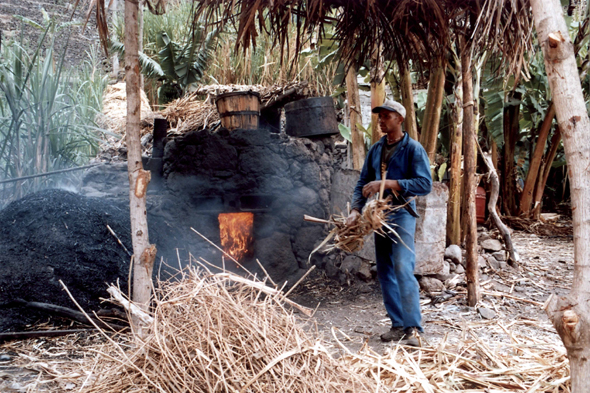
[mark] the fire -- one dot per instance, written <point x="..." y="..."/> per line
<point x="235" y="231"/>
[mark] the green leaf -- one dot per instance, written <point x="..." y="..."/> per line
<point x="345" y="132"/>
<point x="441" y="171"/>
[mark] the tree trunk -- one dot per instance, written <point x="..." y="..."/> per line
<point x="495" y="192"/>
<point x="469" y="178"/>
<point x="494" y="154"/>
<point x="544" y="174"/>
<point x="511" y="130"/>
<point x="532" y="175"/>
<point x="408" y="101"/>
<point x="454" y="207"/>
<point x="570" y="314"/>
<point x="354" y="109"/>
<point x="140" y="39"/>
<point x="377" y="91"/>
<point x="144" y="254"/>
<point x="432" y="112"/>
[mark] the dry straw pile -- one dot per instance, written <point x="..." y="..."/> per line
<point x="114" y="110"/>
<point x="223" y="333"/>
<point x="191" y="112"/>
<point x="524" y="365"/>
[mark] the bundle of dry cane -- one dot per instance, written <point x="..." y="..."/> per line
<point x="351" y="238"/>
<point x="223" y="333"/>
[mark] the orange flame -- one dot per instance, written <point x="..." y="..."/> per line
<point x="235" y="231"/>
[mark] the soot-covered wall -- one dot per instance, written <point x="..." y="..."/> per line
<point x="277" y="177"/>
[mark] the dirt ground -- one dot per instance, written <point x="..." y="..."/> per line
<point x="354" y="316"/>
<point x="546" y="267"/>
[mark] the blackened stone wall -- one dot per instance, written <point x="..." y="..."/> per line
<point x="210" y="171"/>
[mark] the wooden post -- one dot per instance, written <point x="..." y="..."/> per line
<point x="570" y="314"/>
<point x="535" y="162"/>
<point x="469" y="177"/>
<point x="408" y="101"/>
<point x="430" y="124"/>
<point x="454" y="207"/>
<point x="144" y="254"/>
<point x="377" y="91"/>
<point x="354" y="105"/>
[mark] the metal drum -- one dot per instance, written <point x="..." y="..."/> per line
<point x="311" y="117"/>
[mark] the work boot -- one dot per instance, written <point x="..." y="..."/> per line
<point x="395" y="333"/>
<point x="412" y="337"/>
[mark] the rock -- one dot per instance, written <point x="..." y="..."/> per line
<point x="481" y="261"/>
<point x="483" y="236"/>
<point x="351" y="264"/>
<point x="446" y="270"/>
<point x="486" y="313"/>
<point x="503" y="265"/>
<point x="492" y="245"/>
<point x="365" y="288"/>
<point x="332" y="271"/>
<point x="430" y="237"/>
<point x="364" y="272"/>
<point x="452" y="267"/>
<point x="459" y="269"/>
<point x="5" y="358"/>
<point x="374" y="270"/>
<point x="443" y="277"/>
<point x="453" y="252"/>
<point x="496" y="286"/>
<point x="277" y="252"/>
<point x="500" y="256"/>
<point x="431" y="284"/>
<point x="493" y="262"/>
<point x="306" y="239"/>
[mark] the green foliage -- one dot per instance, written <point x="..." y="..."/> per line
<point x="175" y="52"/>
<point x="493" y="96"/>
<point x="46" y="114"/>
<point x="346" y="134"/>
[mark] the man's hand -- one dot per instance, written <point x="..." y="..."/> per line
<point x="374" y="187"/>
<point x="352" y="217"/>
<point x="371" y="188"/>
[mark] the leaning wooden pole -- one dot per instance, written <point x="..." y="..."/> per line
<point x="408" y="101"/>
<point x="570" y="314"/>
<point x="469" y="178"/>
<point x="431" y="122"/>
<point x="454" y="206"/>
<point x="144" y="254"/>
<point x="535" y="163"/>
<point x="354" y="109"/>
<point x="377" y="91"/>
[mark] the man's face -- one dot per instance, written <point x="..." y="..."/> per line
<point x="389" y="120"/>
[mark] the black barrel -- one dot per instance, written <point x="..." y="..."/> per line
<point x="311" y="117"/>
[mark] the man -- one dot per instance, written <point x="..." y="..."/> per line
<point x="408" y="174"/>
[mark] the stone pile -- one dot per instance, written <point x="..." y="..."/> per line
<point x="491" y="254"/>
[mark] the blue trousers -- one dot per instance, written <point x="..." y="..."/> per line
<point x="395" y="269"/>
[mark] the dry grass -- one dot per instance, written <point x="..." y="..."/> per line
<point x="192" y="112"/>
<point x="224" y="333"/>
<point x="115" y="108"/>
<point x="351" y="238"/>
<point x="525" y="364"/>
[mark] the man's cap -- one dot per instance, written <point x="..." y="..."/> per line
<point x="392" y="106"/>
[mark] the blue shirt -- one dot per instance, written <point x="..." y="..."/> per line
<point x="409" y="165"/>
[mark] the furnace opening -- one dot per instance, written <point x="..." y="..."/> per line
<point x="235" y="232"/>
